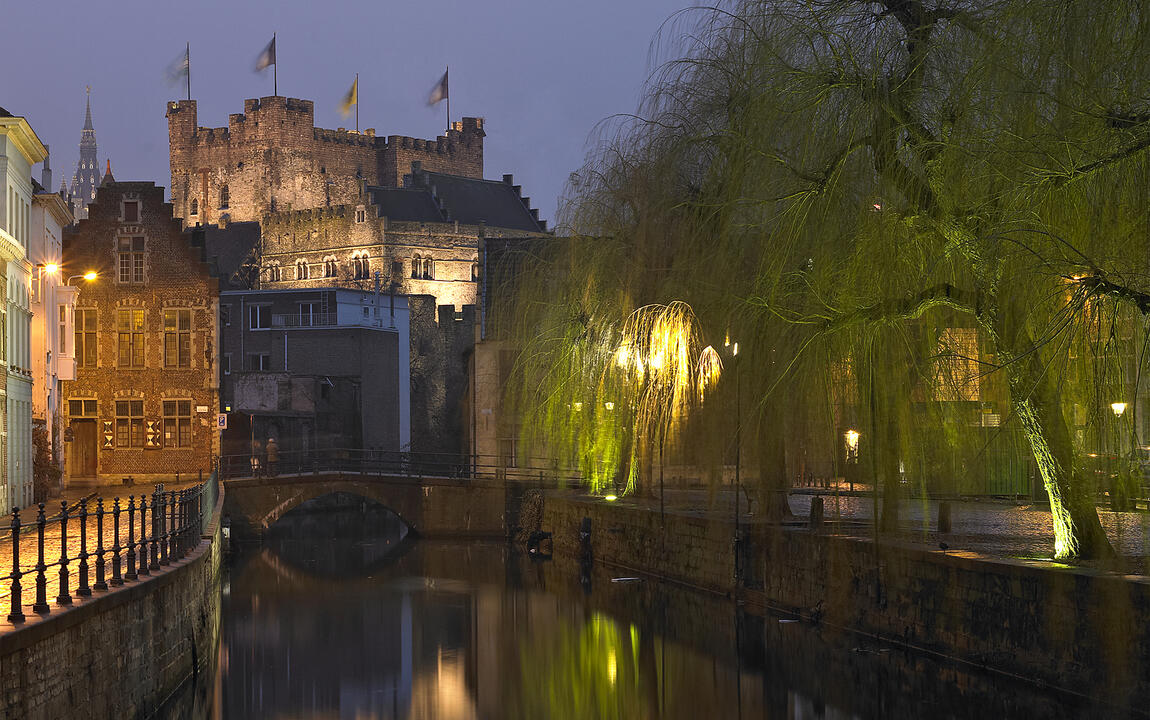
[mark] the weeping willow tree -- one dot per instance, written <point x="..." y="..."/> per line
<point x="839" y="186"/>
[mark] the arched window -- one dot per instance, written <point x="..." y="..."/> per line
<point x="224" y="197"/>
<point x="475" y="269"/>
<point x="301" y="270"/>
<point x="416" y="266"/>
<point x="428" y="269"/>
<point x="329" y="267"/>
<point x="195" y="207"/>
<point x="274" y="273"/>
<point x="365" y="267"/>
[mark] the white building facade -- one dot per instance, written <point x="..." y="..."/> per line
<point x="20" y="149"/>
<point x="52" y="303"/>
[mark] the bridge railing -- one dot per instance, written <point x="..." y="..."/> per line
<point x="384" y="462"/>
<point x="147" y="533"/>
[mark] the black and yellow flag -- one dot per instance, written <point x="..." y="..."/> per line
<point x="351" y="98"/>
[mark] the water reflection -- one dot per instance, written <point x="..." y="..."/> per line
<point x="454" y="630"/>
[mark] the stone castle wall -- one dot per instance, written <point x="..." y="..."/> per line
<point x="272" y="157"/>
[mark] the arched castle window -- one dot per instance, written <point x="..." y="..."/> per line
<point x="416" y="266"/>
<point x="195" y="207"/>
<point x="360" y="266"/>
<point x="224" y="197"/>
<point x="475" y="269"/>
<point x="329" y="267"/>
<point x="428" y="269"/>
<point x="274" y="273"/>
<point x="301" y="270"/>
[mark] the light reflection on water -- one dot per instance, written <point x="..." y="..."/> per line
<point x="454" y="630"/>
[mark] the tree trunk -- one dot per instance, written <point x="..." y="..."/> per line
<point x="1037" y="402"/>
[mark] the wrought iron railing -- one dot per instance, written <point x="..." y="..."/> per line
<point x="396" y="463"/>
<point x="149" y="532"/>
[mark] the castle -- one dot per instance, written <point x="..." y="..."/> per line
<point x="271" y="157"/>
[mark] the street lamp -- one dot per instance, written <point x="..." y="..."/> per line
<point x="89" y="276"/>
<point x="1118" y="408"/>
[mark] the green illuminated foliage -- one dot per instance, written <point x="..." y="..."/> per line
<point x="844" y="188"/>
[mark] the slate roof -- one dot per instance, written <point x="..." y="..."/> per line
<point x="229" y="248"/>
<point x="438" y="197"/>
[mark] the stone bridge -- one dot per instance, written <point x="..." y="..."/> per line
<point x="430" y="507"/>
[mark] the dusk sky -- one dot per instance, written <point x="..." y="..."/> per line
<point x="542" y="73"/>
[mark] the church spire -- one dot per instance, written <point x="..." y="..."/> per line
<point x="88" y="109"/>
<point x="86" y="178"/>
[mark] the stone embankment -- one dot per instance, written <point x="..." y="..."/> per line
<point x="119" y="653"/>
<point x="1082" y="630"/>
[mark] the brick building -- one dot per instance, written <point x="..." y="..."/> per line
<point x="272" y="157"/>
<point x="144" y="399"/>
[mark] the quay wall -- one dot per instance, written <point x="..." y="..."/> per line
<point x="121" y="653"/>
<point x="1080" y="630"/>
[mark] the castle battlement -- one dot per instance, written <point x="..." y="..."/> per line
<point x="272" y="155"/>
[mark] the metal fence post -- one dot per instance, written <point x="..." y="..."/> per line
<point x="100" y="584"/>
<point x="117" y="579"/>
<point x="17" y="613"/>
<point x="143" y="565"/>
<point x="64" y="597"/>
<point x="84" y="590"/>
<point x="155" y="566"/>
<point x="41" y="604"/>
<point x="131" y="574"/>
<point x="163" y="498"/>
<point x="172" y="526"/>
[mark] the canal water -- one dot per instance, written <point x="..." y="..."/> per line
<point x="340" y="615"/>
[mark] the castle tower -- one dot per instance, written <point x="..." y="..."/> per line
<point x="86" y="179"/>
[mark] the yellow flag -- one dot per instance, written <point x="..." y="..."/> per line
<point x="352" y="98"/>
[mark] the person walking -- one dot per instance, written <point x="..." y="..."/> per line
<point x="273" y="455"/>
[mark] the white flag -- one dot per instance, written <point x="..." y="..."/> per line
<point x="178" y="69"/>
<point x="439" y="92"/>
<point x="268" y="56"/>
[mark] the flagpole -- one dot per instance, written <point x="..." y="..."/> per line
<point x="275" y="67"/>
<point x="446" y="74"/>
<point x="188" y="57"/>
<point x="357" y="103"/>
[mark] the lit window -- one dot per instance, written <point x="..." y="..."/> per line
<point x="130" y="338"/>
<point x="177" y="423"/>
<point x="177" y="338"/>
<point x="85" y="336"/>
<point x="130" y="423"/>
<point x="131" y="259"/>
<point x="301" y="270"/>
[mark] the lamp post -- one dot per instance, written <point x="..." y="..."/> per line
<point x="733" y="348"/>
<point x="1117" y="486"/>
